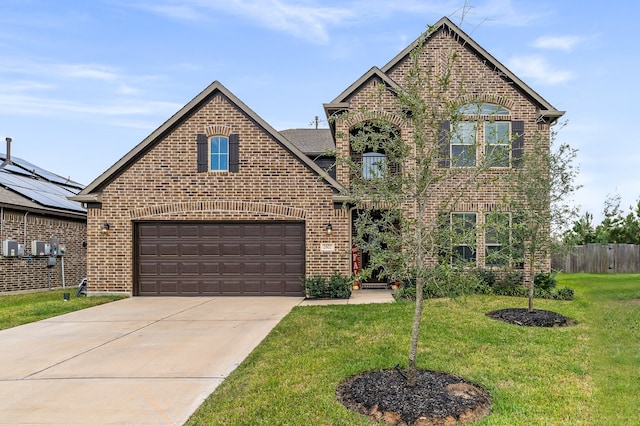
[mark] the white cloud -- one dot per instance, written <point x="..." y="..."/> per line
<point x="565" y="43"/>
<point x="89" y="71"/>
<point x="304" y="19"/>
<point x="538" y="69"/>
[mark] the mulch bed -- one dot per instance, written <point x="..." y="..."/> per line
<point x="537" y="318"/>
<point x="438" y="399"/>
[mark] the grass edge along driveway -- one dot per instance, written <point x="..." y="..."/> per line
<point x="23" y="308"/>
<point x="559" y="376"/>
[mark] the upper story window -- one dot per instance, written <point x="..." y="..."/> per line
<point x="374" y="165"/>
<point x="483" y="128"/>
<point x="497" y="143"/>
<point x="373" y="143"/>
<point x="463" y="144"/>
<point x="219" y="153"/>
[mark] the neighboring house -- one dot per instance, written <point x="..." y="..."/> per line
<point x="43" y="233"/>
<point x="217" y="202"/>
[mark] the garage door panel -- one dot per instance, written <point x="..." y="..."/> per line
<point x="209" y="249"/>
<point x="219" y="258"/>
<point x="168" y="287"/>
<point x="189" y="268"/>
<point x="148" y="250"/>
<point x="252" y="249"/>
<point x="272" y="268"/>
<point x="168" y="249"/>
<point x="229" y="249"/>
<point x="294" y="249"/>
<point x="189" y="287"/>
<point x="210" y="287"/>
<point x="186" y="231"/>
<point x="168" y="268"/>
<point x="273" y="249"/>
<point x="252" y="268"/>
<point x="291" y="268"/>
<point x="189" y="249"/>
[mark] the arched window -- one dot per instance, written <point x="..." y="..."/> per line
<point x="219" y="153"/>
<point x="372" y="141"/>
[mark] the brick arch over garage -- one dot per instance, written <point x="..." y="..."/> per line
<point x="211" y="248"/>
<point x="245" y="209"/>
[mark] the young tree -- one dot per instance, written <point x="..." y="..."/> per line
<point x="400" y="196"/>
<point x="540" y="204"/>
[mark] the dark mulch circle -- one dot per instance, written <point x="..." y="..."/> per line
<point x="437" y="399"/>
<point x="537" y="318"/>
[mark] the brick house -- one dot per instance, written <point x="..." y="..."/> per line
<point x="43" y="233"/>
<point x="215" y="201"/>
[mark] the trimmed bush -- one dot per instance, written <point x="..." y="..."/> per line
<point x="545" y="281"/>
<point x="563" y="293"/>
<point x="338" y="286"/>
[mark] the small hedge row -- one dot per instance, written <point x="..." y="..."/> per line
<point x="452" y="283"/>
<point x="337" y="286"/>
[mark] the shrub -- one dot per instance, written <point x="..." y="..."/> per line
<point x="315" y="286"/>
<point x="563" y="293"/>
<point x="545" y="281"/>
<point x="510" y="284"/>
<point x="406" y="292"/>
<point x="338" y="286"/>
<point x="486" y="276"/>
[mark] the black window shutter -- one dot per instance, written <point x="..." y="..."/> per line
<point x="444" y="159"/>
<point x="234" y="153"/>
<point x="517" y="146"/>
<point x="203" y="151"/>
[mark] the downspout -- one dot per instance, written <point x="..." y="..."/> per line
<point x="62" y="268"/>
<point x="1" y="223"/>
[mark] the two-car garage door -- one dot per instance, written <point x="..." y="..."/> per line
<point x="219" y="258"/>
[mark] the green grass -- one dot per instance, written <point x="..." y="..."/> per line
<point x="23" y="308"/>
<point x="587" y="374"/>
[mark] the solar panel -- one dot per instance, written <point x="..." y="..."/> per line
<point x="40" y="172"/>
<point x="51" y="177"/>
<point x="42" y="192"/>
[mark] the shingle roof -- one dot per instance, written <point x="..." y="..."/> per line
<point x="311" y="141"/>
<point x="93" y="191"/>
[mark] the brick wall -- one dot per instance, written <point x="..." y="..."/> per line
<point x="472" y="80"/>
<point x="164" y="185"/>
<point x="31" y="272"/>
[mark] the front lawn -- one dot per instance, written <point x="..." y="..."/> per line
<point x="18" y="309"/>
<point x="578" y="375"/>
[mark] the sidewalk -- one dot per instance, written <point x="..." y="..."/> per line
<point x="357" y="297"/>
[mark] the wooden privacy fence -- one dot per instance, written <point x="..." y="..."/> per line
<point x="596" y="258"/>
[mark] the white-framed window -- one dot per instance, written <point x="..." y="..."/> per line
<point x="464" y="235"/>
<point x="463" y="144"/>
<point x="485" y="126"/>
<point x="497" y="140"/>
<point x="497" y="238"/>
<point x="374" y="165"/>
<point x="219" y="153"/>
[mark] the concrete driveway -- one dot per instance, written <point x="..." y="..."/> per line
<point x="137" y="361"/>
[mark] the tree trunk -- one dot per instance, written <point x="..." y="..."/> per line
<point x="531" y="283"/>
<point x="415" y="333"/>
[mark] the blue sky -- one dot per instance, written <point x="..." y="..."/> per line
<point x="82" y="82"/>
